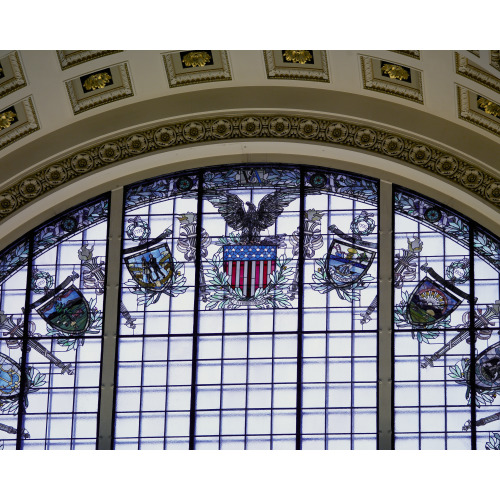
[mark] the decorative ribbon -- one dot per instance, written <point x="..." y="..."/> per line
<point x="148" y="244"/>
<point x="56" y="290"/>
<point x="354" y="239"/>
<point x="447" y="284"/>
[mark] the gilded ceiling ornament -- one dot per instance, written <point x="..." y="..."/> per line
<point x="97" y="81"/>
<point x="489" y="107"/>
<point x="196" y="59"/>
<point x="297" y="56"/>
<point x="395" y="71"/>
<point x="6" y="119"/>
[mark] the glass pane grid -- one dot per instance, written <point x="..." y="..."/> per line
<point x="244" y="329"/>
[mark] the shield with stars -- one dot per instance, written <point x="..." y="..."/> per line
<point x="249" y="267"/>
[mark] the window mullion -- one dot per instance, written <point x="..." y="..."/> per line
<point x="385" y="316"/>
<point x="300" y="313"/>
<point x="24" y="347"/>
<point x="105" y="424"/>
<point x="472" y="337"/>
<point x="196" y="313"/>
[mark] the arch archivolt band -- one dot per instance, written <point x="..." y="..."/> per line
<point x="443" y="164"/>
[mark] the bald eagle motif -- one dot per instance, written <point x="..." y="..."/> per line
<point x="252" y="221"/>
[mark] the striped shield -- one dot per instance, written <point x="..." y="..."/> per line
<point x="249" y="266"/>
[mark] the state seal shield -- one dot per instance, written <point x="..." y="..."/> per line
<point x="347" y="262"/>
<point x="10" y="377"/>
<point x="151" y="267"/>
<point x="488" y="368"/>
<point x="249" y="267"/>
<point x="67" y="311"/>
<point x="430" y="303"/>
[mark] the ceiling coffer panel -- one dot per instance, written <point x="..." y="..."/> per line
<point x="17" y="121"/>
<point x="478" y="109"/>
<point x="99" y="87"/>
<point x="11" y="74"/>
<point x="196" y="66"/>
<point x="465" y="67"/>
<point x="297" y="65"/>
<point x="392" y="78"/>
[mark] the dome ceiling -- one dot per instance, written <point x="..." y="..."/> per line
<point x="61" y="111"/>
<point x="63" y="87"/>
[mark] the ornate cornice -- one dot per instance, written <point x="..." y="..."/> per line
<point x="413" y="152"/>
<point x="468" y="70"/>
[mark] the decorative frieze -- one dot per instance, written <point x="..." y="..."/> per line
<point x="474" y="72"/>
<point x="99" y="87"/>
<point x="11" y="74"/>
<point x="297" y="65"/>
<point x="70" y="58"/>
<point x="413" y="152"/>
<point x="392" y="78"/>
<point x="17" y="121"/>
<point x="196" y="66"/>
<point x="478" y="109"/>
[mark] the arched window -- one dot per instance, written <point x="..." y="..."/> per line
<point x="252" y="310"/>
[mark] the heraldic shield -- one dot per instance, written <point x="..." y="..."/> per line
<point x="348" y="263"/>
<point x="68" y="311"/>
<point x="429" y="303"/>
<point x="249" y="267"/>
<point x="488" y="368"/>
<point x="151" y="268"/>
<point x="10" y="377"/>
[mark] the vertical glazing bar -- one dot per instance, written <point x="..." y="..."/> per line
<point x="105" y="421"/>
<point x="472" y="337"/>
<point x="300" y="313"/>
<point x="24" y="347"/>
<point x="198" y="271"/>
<point x="385" y="318"/>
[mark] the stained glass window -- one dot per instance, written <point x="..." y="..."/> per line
<point x="250" y="316"/>
<point x="265" y="346"/>
<point x="51" y="319"/>
<point x="447" y="354"/>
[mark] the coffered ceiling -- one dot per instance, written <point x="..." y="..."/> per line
<point x="448" y="84"/>
<point x="60" y="109"/>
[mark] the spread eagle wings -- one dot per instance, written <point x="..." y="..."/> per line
<point x="232" y="208"/>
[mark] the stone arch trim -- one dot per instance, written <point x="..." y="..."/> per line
<point x="223" y="128"/>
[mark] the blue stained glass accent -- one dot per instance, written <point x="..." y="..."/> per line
<point x="13" y="258"/>
<point x="250" y="252"/>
